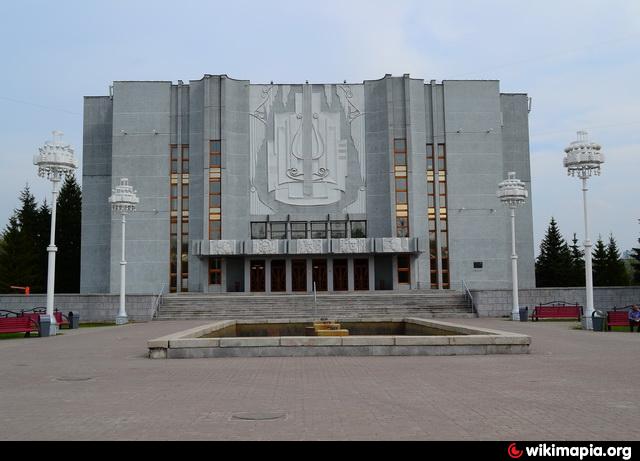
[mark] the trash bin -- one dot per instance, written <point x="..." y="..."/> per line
<point x="44" y="326"/>
<point x="524" y="314"/>
<point x="74" y="320"/>
<point x="598" y="317"/>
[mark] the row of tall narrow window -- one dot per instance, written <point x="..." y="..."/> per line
<point x="179" y="213"/>
<point x="437" y="169"/>
<point x="401" y="187"/>
<point x="215" y="190"/>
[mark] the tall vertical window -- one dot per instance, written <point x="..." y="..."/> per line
<point x="431" y="216"/>
<point x="437" y="215"/>
<point x="215" y="271"/>
<point x="404" y="270"/>
<point x="173" y="255"/>
<point x="174" y="176"/>
<point x="179" y="214"/>
<point x="444" y="228"/>
<point x="215" y="190"/>
<point x="401" y="187"/>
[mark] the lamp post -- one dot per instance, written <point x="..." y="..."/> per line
<point x="123" y="201"/>
<point x="583" y="160"/>
<point x="512" y="193"/>
<point x="54" y="161"/>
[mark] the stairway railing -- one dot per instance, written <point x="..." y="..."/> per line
<point x="469" y="297"/>
<point x="157" y="302"/>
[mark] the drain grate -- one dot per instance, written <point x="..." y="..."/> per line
<point x="259" y="416"/>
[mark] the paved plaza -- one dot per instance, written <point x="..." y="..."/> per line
<point x="97" y="383"/>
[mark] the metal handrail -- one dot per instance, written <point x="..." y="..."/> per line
<point x="157" y="302"/>
<point x="470" y="296"/>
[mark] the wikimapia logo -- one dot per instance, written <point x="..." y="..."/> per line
<point x="514" y="452"/>
<point x="543" y="450"/>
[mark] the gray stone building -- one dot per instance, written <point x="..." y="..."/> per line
<point x="388" y="184"/>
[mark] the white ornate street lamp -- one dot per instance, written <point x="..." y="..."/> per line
<point x="54" y="161"/>
<point x="123" y="201"/>
<point x="583" y="160"/>
<point x="512" y="193"/>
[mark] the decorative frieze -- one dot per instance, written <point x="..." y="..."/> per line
<point x="394" y="245"/>
<point x="222" y="247"/>
<point x="309" y="246"/>
<point x="265" y="247"/>
<point x="350" y="246"/>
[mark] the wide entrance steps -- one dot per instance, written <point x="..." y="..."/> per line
<point x="230" y="306"/>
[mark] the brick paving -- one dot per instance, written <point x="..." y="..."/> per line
<point x="97" y="384"/>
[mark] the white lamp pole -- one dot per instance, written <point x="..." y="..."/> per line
<point x="123" y="201"/>
<point x="54" y="161"/>
<point x="512" y="193"/>
<point x="583" y="160"/>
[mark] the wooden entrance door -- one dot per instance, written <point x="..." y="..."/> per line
<point x="278" y="276"/>
<point x="320" y="274"/>
<point x="299" y="275"/>
<point x="340" y="275"/>
<point x="257" y="276"/>
<point x="361" y="274"/>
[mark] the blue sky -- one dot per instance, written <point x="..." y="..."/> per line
<point x="578" y="60"/>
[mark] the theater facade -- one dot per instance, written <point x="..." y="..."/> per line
<point x="388" y="184"/>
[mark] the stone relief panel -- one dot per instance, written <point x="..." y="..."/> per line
<point x="395" y="245"/>
<point x="307" y="148"/>
<point x="309" y="246"/>
<point x="264" y="247"/>
<point x="222" y="247"/>
<point x="350" y="246"/>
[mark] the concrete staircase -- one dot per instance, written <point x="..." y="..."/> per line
<point x="392" y="304"/>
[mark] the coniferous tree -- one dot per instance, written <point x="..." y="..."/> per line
<point x="577" y="260"/>
<point x="635" y="264"/>
<point x="600" y="264"/>
<point x="19" y="255"/>
<point x="42" y="240"/>
<point x="68" y="225"/>
<point x="616" y="270"/>
<point x="554" y="264"/>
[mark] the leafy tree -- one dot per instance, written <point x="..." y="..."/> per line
<point x="554" y="264"/>
<point x="68" y="225"/>
<point x="577" y="263"/>
<point x="616" y="270"/>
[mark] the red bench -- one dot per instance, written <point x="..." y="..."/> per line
<point x="61" y="319"/>
<point x="18" y="325"/>
<point x="617" y="319"/>
<point x="558" y="311"/>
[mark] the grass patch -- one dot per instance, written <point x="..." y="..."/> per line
<point x="4" y="336"/>
<point x="622" y="330"/>
<point x="96" y="325"/>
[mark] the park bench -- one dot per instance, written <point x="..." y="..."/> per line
<point x="21" y="324"/>
<point x="617" y="318"/>
<point x="557" y="310"/>
<point x="35" y="314"/>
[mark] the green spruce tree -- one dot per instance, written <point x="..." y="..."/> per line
<point x="19" y="255"/>
<point x="600" y="264"/>
<point x="635" y="264"/>
<point x="577" y="263"/>
<point x="554" y="264"/>
<point x="616" y="271"/>
<point x="68" y="225"/>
